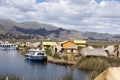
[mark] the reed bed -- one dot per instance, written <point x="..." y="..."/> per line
<point x="96" y="64"/>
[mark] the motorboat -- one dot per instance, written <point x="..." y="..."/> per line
<point x="32" y="51"/>
<point x="36" y="56"/>
<point x="8" y="46"/>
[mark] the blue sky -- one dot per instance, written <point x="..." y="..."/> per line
<point x="101" y="16"/>
<point x="39" y="1"/>
<point x="98" y="1"/>
<point x="106" y="0"/>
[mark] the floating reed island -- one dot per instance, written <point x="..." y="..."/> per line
<point x="60" y="62"/>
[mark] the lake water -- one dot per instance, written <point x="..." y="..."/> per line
<point x="12" y="62"/>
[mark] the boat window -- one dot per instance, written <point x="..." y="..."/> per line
<point x="31" y="53"/>
<point x="42" y="53"/>
<point x="38" y="53"/>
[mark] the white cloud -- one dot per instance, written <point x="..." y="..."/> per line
<point x="85" y="15"/>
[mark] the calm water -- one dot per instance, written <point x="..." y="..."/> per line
<point x="12" y="62"/>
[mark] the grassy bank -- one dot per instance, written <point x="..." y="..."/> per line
<point x="96" y="64"/>
<point x="102" y="44"/>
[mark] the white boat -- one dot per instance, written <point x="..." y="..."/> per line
<point x="32" y="51"/>
<point x="36" y="56"/>
<point x="8" y="46"/>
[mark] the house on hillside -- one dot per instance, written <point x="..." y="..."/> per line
<point x="69" y="47"/>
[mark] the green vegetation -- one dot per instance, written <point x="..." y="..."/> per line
<point x="96" y="64"/>
<point x="56" y="56"/>
<point x="23" y="50"/>
<point x="100" y="44"/>
<point x="48" y="52"/>
<point x="65" y="57"/>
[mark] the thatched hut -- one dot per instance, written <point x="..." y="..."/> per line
<point x="113" y="50"/>
<point x="112" y="73"/>
<point x="110" y="50"/>
<point x="93" y="52"/>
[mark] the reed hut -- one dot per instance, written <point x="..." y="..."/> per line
<point x="93" y="52"/>
<point x="69" y="47"/>
<point x="113" y="50"/>
<point x="110" y="50"/>
<point x="112" y="73"/>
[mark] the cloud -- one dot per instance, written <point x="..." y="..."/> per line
<point x="84" y="15"/>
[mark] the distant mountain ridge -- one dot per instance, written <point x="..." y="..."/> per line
<point x="33" y="30"/>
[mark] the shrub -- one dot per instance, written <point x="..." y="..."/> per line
<point x="56" y="56"/>
<point x="48" y="52"/>
<point x="96" y="64"/>
<point x="65" y="57"/>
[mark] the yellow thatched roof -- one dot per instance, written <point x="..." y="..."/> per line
<point x="63" y="42"/>
<point x="82" y="46"/>
<point x="79" y="41"/>
<point x="49" y="43"/>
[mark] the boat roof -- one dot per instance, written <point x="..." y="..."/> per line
<point x="7" y="44"/>
<point x="36" y="50"/>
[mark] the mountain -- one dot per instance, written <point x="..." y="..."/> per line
<point x="14" y="30"/>
<point x="33" y="30"/>
<point x="36" y="25"/>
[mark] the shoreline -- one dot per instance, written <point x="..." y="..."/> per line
<point x="60" y="62"/>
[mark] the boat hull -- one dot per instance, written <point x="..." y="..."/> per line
<point x="8" y="46"/>
<point x="37" y="58"/>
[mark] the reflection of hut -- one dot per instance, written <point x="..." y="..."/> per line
<point x="93" y="52"/>
<point x="109" y="74"/>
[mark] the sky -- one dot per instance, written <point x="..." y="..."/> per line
<point x="101" y="16"/>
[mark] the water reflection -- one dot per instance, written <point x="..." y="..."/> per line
<point x="12" y="62"/>
<point x="35" y="62"/>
